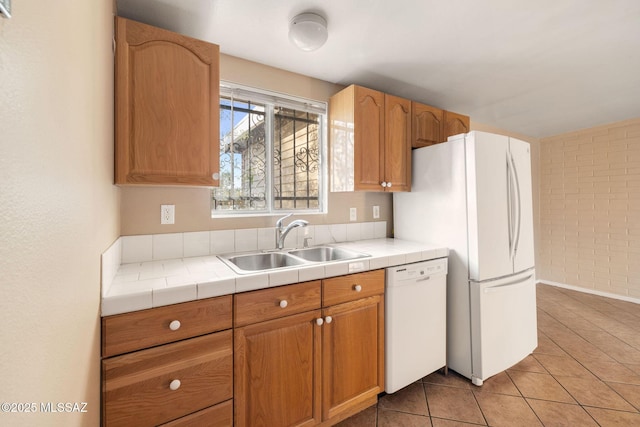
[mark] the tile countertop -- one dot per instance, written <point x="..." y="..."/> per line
<point x="139" y="286"/>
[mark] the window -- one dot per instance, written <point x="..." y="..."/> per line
<point x="272" y="153"/>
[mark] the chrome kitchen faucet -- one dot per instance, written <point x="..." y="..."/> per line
<point x="281" y="232"/>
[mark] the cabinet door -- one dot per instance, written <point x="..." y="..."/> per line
<point x="352" y="354"/>
<point x="167" y="107"/>
<point x="427" y="124"/>
<point x="455" y="124"/>
<point x="277" y="372"/>
<point x="369" y="139"/>
<point x="397" y="143"/>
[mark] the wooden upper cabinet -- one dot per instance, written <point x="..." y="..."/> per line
<point x="369" y="125"/>
<point x="397" y="153"/>
<point x="454" y="124"/>
<point x="427" y="125"/>
<point x="167" y="107"/>
<point x="370" y="141"/>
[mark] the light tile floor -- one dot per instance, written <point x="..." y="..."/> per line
<point x="585" y="372"/>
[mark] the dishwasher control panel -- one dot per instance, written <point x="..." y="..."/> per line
<point x="417" y="270"/>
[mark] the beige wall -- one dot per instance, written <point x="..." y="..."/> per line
<point x="590" y="208"/>
<point x="140" y="212"/>
<point x="58" y="207"/>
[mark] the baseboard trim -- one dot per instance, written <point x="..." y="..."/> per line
<point x="590" y="291"/>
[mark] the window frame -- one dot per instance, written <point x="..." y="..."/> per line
<point x="271" y="99"/>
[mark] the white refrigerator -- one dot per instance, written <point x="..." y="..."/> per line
<point x="473" y="195"/>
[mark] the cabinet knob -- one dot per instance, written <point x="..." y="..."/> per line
<point x="384" y="184"/>
<point x="328" y="319"/>
<point x="388" y="184"/>
<point x="357" y="288"/>
<point x="215" y="176"/>
<point x="174" y="325"/>
<point x="319" y="321"/>
<point x="175" y="384"/>
<point x="283" y="303"/>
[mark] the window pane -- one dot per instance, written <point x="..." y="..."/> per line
<point x="296" y="154"/>
<point x="270" y="153"/>
<point x="242" y="157"/>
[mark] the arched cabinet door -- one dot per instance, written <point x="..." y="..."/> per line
<point x="370" y="140"/>
<point x="369" y="125"/>
<point x="397" y="153"/>
<point x="427" y="125"/>
<point x="166" y="107"/>
<point x="455" y="124"/>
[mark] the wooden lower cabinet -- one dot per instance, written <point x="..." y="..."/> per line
<point x="313" y="368"/>
<point x="220" y="415"/>
<point x="307" y="354"/>
<point x="352" y="355"/>
<point x="277" y="372"/>
<point x="169" y="366"/>
<point x="160" y="384"/>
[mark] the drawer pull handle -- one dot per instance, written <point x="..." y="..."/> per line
<point x="175" y="384"/>
<point x="319" y="321"/>
<point x="283" y="303"/>
<point x="174" y="325"/>
<point x="357" y="288"/>
<point x="328" y="319"/>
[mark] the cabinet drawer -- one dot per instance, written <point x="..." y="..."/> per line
<point x="267" y="304"/>
<point x="127" y="332"/>
<point x="352" y="287"/>
<point x="220" y="415"/>
<point x="137" y="387"/>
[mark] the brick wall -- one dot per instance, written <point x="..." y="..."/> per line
<point x="590" y="209"/>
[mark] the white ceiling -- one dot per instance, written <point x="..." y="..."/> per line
<point x="536" y="67"/>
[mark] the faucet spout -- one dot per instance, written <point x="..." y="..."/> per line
<point x="281" y="232"/>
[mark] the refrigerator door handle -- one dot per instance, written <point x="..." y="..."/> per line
<point x="513" y="206"/>
<point x="498" y="288"/>
<point x="509" y="208"/>
<point x="519" y="205"/>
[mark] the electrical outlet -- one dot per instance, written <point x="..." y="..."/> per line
<point x="376" y="212"/>
<point x="167" y="214"/>
<point x="353" y="214"/>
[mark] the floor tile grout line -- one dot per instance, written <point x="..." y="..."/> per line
<point x="577" y="355"/>
<point x="426" y="399"/>
<point x="486" y="421"/>
<point x="591" y="372"/>
<point x="586" y="368"/>
<point x="575" y="296"/>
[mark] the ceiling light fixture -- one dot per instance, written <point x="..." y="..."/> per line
<point x="308" y="31"/>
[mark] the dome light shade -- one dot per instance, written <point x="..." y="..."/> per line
<point x="308" y="31"/>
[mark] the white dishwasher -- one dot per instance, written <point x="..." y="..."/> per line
<point x="415" y="322"/>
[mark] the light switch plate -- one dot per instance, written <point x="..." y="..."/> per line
<point x="376" y="212"/>
<point x="353" y="214"/>
<point x="5" y="8"/>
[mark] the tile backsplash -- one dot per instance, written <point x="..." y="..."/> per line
<point x="156" y="247"/>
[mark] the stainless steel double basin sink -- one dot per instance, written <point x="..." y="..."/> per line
<point x="269" y="260"/>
